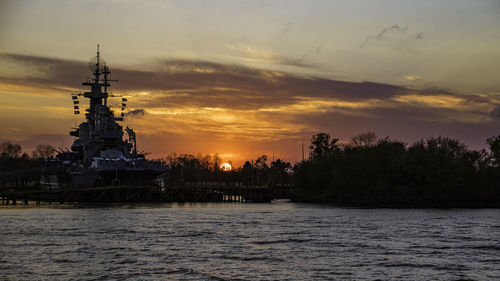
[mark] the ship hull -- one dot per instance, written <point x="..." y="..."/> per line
<point x="128" y="177"/>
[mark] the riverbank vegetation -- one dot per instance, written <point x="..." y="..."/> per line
<point x="206" y="168"/>
<point x="367" y="171"/>
<point x="437" y="172"/>
<point x="12" y="158"/>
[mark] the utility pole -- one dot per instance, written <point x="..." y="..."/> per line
<point x="302" y="150"/>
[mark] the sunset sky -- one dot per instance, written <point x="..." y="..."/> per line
<point x="245" y="78"/>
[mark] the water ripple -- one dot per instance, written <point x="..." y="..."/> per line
<point x="281" y="240"/>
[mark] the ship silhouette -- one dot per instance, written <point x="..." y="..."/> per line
<point x="99" y="154"/>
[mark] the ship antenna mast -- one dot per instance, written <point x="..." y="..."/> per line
<point x="106" y="72"/>
<point x="96" y="72"/>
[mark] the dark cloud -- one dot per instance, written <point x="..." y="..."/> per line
<point x="199" y="78"/>
<point x="251" y="83"/>
<point x="51" y="70"/>
<point x="212" y="84"/>
<point x="476" y="99"/>
<point x="300" y="62"/>
<point x="136" y="112"/>
<point x="380" y="35"/>
<point x="392" y="28"/>
<point x="396" y="28"/>
<point x="184" y="83"/>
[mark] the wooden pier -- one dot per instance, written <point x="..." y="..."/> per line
<point x="136" y="194"/>
<point x="22" y="187"/>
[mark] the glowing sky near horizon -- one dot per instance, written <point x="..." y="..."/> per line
<point x="245" y="78"/>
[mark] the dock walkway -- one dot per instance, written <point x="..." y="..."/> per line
<point x="146" y="193"/>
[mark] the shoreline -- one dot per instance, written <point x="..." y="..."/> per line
<point x="75" y="205"/>
<point x="404" y="205"/>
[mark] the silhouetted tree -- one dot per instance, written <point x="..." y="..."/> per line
<point x="10" y="150"/>
<point x="281" y="171"/>
<point x="12" y="159"/>
<point x="364" y="139"/>
<point x="246" y="173"/>
<point x="321" y="145"/>
<point x="494" y="145"/>
<point x="435" y="172"/>
<point x="261" y="162"/>
<point x="43" y="151"/>
<point x="216" y="162"/>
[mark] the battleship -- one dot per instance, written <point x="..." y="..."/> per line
<point x="99" y="154"/>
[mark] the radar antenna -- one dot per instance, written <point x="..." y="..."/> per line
<point x="97" y="65"/>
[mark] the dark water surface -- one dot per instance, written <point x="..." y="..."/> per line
<point x="278" y="241"/>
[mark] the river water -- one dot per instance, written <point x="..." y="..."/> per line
<point x="235" y="241"/>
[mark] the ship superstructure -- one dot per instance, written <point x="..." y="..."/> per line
<point x="99" y="155"/>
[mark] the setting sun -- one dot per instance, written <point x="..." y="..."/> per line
<point x="226" y="167"/>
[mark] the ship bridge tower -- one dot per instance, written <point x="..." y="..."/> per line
<point x="100" y="135"/>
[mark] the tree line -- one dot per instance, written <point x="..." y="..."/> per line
<point x="206" y="168"/>
<point x="184" y="167"/>
<point x="12" y="156"/>
<point x="366" y="171"/>
<point x="371" y="171"/>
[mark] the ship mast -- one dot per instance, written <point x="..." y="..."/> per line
<point x="99" y="135"/>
